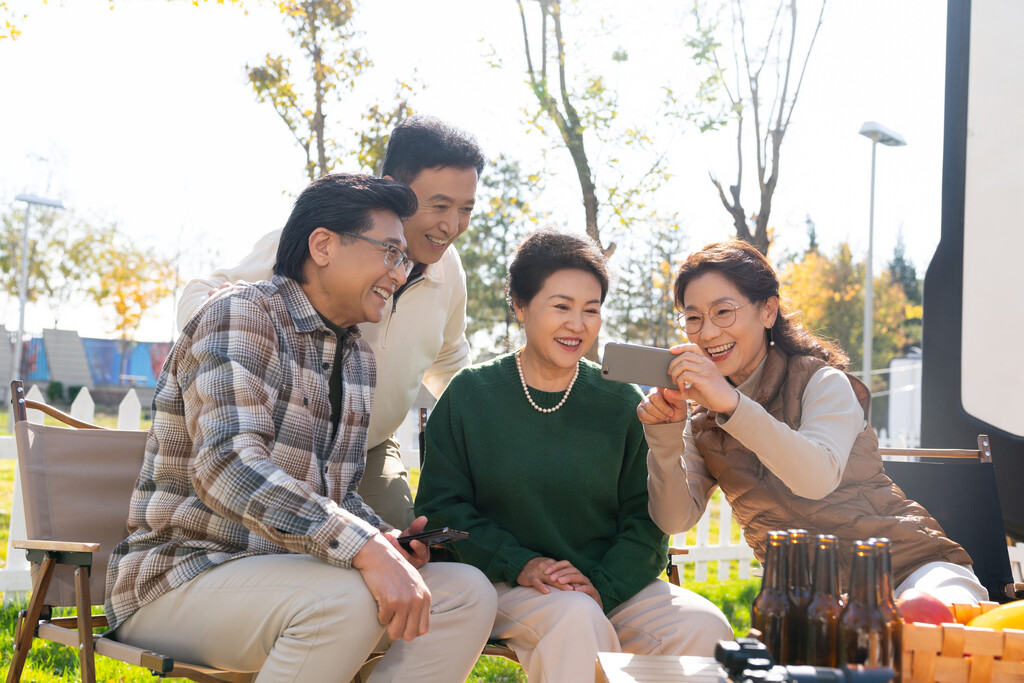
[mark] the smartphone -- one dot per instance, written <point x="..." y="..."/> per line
<point x="643" y="365"/>
<point x="433" y="537"/>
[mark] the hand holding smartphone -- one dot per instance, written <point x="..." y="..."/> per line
<point x="644" y="365"/>
<point x="432" y="537"/>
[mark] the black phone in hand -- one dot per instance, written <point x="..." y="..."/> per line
<point x="433" y="537"/>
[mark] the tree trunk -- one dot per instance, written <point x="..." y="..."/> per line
<point x="317" y="53"/>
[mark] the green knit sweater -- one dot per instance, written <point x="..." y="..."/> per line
<point x="569" y="485"/>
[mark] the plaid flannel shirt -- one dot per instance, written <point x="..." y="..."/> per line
<point x="240" y="460"/>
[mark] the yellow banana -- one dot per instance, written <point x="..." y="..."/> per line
<point x="1010" y="615"/>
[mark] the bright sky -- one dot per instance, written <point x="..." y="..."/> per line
<point x="142" y="115"/>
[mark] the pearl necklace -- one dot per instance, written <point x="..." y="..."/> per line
<point x="526" y="390"/>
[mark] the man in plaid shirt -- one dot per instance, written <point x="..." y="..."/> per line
<point x="249" y="546"/>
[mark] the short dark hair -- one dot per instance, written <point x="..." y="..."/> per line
<point x="548" y="251"/>
<point x="422" y="142"/>
<point x="340" y="202"/>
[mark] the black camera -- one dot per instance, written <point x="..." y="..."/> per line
<point x="746" y="660"/>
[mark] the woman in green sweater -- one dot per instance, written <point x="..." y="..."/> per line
<point x="544" y="464"/>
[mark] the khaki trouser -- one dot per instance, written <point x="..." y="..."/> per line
<point x="295" y="618"/>
<point x="557" y="636"/>
<point x="385" y="484"/>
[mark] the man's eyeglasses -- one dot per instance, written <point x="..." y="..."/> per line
<point x="722" y="315"/>
<point x="393" y="257"/>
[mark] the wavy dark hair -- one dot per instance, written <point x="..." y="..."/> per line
<point x="749" y="270"/>
<point x="548" y="251"/>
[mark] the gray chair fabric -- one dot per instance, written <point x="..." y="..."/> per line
<point x="77" y="484"/>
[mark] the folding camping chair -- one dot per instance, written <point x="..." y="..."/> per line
<point x="77" y="483"/>
<point x="958" y="488"/>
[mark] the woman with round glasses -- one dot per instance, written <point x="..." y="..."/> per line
<point x="543" y="463"/>
<point x="779" y="426"/>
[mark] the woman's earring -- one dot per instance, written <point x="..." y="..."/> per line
<point x="771" y="341"/>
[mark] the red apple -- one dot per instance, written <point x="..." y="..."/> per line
<point x="915" y="605"/>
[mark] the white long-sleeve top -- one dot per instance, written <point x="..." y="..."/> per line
<point x="421" y="338"/>
<point x="809" y="460"/>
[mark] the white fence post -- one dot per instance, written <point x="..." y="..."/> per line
<point x="83" y="407"/>
<point x="129" y="413"/>
<point x="724" y="552"/>
<point x="703" y="542"/>
<point x="745" y="564"/>
<point x="724" y="537"/>
<point x="15" y="579"/>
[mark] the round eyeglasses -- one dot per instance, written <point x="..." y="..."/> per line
<point x="393" y="257"/>
<point x="722" y="314"/>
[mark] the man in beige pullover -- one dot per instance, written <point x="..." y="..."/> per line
<point x="421" y="337"/>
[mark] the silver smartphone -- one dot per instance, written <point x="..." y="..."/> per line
<point x="643" y="365"/>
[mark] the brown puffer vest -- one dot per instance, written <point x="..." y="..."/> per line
<point x="866" y="503"/>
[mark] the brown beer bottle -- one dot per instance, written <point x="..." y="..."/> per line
<point x="769" y="611"/>
<point x="825" y="606"/>
<point x="887" y="603"/>
<point x="862" y="634"/>
<point x="798" y="594"/>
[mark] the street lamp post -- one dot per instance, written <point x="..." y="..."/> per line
<point x="878" y="134"/>
<point x="29" y="200"/>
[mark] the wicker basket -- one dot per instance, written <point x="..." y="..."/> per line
<point x="955" y="653"/>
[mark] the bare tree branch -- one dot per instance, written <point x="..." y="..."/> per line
<point x="769" y="126"/>
<point x="755" y="100"/>
<point x="807" y="58"/>
<point x="563" y="112"/>
<point x="789" y="65"/>
<point x="543" y="42"/>
<point x="526" y="43"/>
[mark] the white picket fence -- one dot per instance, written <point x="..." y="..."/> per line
<point x="700" y="550"/>
<point x="14" y="577"/>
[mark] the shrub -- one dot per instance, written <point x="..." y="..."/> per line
<point x="55" y="393"/>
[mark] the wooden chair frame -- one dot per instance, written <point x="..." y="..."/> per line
<point x="982" y="454"/>
<point x="37" y="621"/>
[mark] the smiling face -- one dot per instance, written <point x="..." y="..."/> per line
<point x="561" y="323"/>
<point x="347" y="279"/>
<point x="737" y="350"/>
<point x="446" y="197"/>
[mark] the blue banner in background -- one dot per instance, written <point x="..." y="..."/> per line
<point x="104" y="358"/>
<point x="145" y="362"/>
<point x="142" y="369"/>
<point x="34" y="366"/>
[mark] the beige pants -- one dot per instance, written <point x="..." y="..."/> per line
<point x="557" y="636"/>
<point x="295" y="618"/>
<point x="385" y="484"/>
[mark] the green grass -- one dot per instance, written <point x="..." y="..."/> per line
<point x="496" y="670"/>
<point x="733" y="597"/>
<point x="6" y="495"/>
<point x="51" y="663"/>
